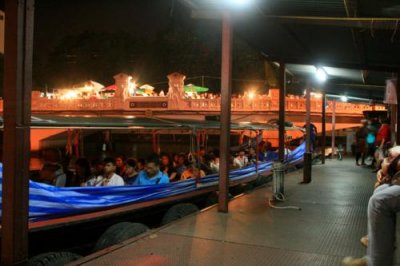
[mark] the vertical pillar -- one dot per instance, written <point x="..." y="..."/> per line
<point x="282" y="94"/>
<point x="398" y="109"/>
<point x="226" y="91"/>
<point x="333" y="126"/>
<point x="307" y="155"/>
<point x="393" y="120"/>
<point x="16" y="141"/>
<point x="323" y="122"/>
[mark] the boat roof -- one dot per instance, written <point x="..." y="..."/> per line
<point x="133" y="122"/>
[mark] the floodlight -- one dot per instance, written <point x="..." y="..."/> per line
<point x="343" y="98"/>
<point x="321" y="75"/>
<point x="239" y="2"/>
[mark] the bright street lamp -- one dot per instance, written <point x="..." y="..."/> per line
<point x="321" y="75"/>
<point x="239" y="3"/>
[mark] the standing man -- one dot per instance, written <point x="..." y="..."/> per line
<point x="361" y="145"/>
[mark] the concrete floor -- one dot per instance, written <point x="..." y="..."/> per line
<point x="329" y="226"/>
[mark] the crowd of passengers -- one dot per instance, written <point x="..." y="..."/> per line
<point x="157" y="169"/>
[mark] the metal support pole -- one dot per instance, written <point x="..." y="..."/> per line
<point x="323" y="122"/>
<point x="16" y="141"/>
<point x="278" y="174"/>
<point x="398" y="109"/>
<point x="307" y="155"/>
<point x="282" y="94"/>
<point x="333" y="144"/>
<point x="226" y="91"/>
<point x="257" y="151"/>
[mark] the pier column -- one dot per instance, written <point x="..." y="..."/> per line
<point x="333" y="127"/>
<point x="398" y="109"/>
<point x="323" y="122"/>
<point x="16" y="140"/>
<point x="308" y="155"/>
<point x="226" y="94"/>
<point x="282" y="97"/>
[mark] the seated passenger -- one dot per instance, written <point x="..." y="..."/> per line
<point x="214" y="163"/>
<point x="193" y="171"/>
<point x="241" y="160"/>
<point x="180" y="166"/>
<point x="109" y="178"/>
<point x="205" y="164"/>
<point x="252" y="156"/>
<point x="97" y="167"/>
<point x="130" y="172"/>
<point x="82" y="172"/>
<point x="140" y="164"/>
<point x="167" y="167"/>
<point x="120" y="165"/>
<point x="151" y="175"/>
<point x="52" y="174"/>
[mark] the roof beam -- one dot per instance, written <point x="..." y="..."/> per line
<point x="377" y="23"/>
<point x="332" y="63"/>
<point x="351" y="7"/>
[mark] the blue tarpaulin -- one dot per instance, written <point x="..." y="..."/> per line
<point x="46" y="201"/>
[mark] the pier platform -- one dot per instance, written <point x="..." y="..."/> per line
<point x="328" y="227"/>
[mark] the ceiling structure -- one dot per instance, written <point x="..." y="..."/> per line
<point x="357" y="42"/>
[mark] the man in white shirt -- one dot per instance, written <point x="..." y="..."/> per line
<point x="109" y="178"/>
<point x="241" y="160"/>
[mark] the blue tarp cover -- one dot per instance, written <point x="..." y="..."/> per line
<point x="47" y="201"/>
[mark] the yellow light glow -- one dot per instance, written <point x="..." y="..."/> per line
<point x="70" y="95"/>
<point x="136" y="127"/>
<point x="251" y="95"/>
<point x="316" y="95"/>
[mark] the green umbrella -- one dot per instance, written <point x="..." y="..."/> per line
<point x="194" y="88"/>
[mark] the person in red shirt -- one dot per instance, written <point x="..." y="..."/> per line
<point x="382" y="142"/>
<point x="383" y="135"/>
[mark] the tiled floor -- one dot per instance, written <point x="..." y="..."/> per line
<point x="328" y="227"/>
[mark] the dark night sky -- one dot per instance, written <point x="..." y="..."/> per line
<point x="56" y="19"/>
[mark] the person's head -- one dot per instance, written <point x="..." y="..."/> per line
<point x="82" y="167"/>
<point x="175" y="158"/>
<point x="152" y="166"/>
<point x="202" y="151"/>
<point x="181" y="159"/>
<point x="364" y="122"/>
<point x="130" y="165"/>
<point x="252" y="151"/>
<point x="97" y="167"/>
<point x="384" y="120"/>
<point x="140" y="163"/>
<point x="109" y="166"/>
<point x="195" y="170"/>
<point x="394" y="166"/>
<point x="165" y="161"/>
<point x="268" y="146"/>
<point x="49" y="172"/>
<point x="119" y="160"/>
<point x="241" y="154"/>
<point x="393" y="152"/>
